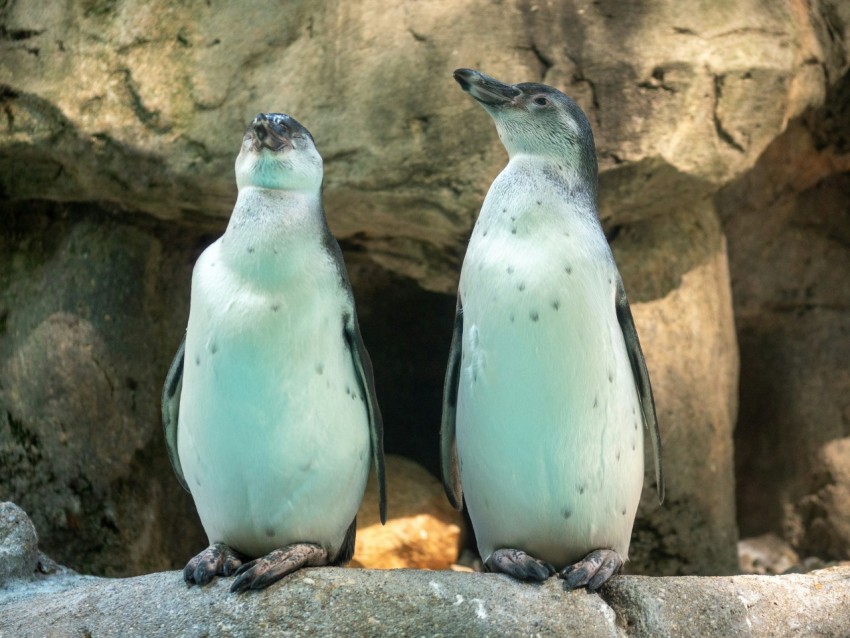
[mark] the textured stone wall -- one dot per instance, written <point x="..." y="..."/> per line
<point x="721" y="132"/>
<point x="92" y="306"/>
<point x="788" y="223"/>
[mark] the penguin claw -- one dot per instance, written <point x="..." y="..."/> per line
<point x="216" y="560"/>
<point x="518" y="564"/>
<point x="270" y="568"/>
<point x="593" y="570"/>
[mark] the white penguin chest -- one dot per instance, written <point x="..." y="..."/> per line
<point x="548" y="417"/>
<point x="273" y="433"/>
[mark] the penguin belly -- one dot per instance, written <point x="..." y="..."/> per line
<point x="273" y="433"/>
<point x="548" y="419"/>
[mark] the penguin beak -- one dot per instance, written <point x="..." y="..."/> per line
<point x="264" y="133"/>
<point x="486" y="90"/>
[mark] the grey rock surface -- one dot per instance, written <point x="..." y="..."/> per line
<point x="18" y="544"/>
<point x="814" y="604"/>
<point x="354" y="602"/>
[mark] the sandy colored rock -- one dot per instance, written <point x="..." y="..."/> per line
<point x="766" y="554"/>
<point x="422" y="531"/>
<point x="687" y="334"/>
<point x="789" y="248"/>
<point x="824" y="515"/>
<point x="141" y="104"/>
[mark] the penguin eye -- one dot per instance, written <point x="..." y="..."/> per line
<point x="541" y="101"/>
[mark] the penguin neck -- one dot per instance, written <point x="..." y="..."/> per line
<point x="536" y="194"/>
<point x="557" y="170"/>
<point x="273" y="234"/>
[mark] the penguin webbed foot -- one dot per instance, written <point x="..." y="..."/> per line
<point x="517" y="563"/>
<point x="270" y="568"/>
<point x="216" y="560"/>
<point x="593" y="570"/>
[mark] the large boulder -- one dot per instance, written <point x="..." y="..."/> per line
<point x="422" y="530"/>
<point x="18" y="545"/>
<point x="142" y="104"/>
<point x="688" y="336"/>
<point x="789" y="246"/>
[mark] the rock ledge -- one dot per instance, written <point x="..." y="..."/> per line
<point x="336" y="601"/>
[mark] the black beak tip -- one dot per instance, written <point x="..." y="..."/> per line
<point x="268" y="134"/>
<point x="484" y="89"/>
<point x="462" y="77"/>
<point x="258" y="124"/>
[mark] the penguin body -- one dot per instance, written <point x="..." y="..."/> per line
<point x="546" y="387"/>
<point x="535" y="387"/>
<point x="270" y="409"/>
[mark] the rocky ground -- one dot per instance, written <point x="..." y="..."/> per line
<point x="335" y="601"/>
<point x="407" y="602"/>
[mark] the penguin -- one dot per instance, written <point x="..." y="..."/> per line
<point x="546" y="385"/>
<point x="269" y="407"/>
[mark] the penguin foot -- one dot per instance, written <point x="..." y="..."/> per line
<point x="216" y="560"/>
<point x="270" y="568"/>
<point x="593" y="570"/>
<point x="518" y="564"/>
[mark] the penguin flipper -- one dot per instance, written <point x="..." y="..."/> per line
<point x="641" y="376"/>
<point x="171" y="410"/>
<point x="366" y="379"/>
<point x="346" y="552"/>
<point x="448" y="444"/>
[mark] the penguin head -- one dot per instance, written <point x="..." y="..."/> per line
<point x="534" y="119"/>
<point x="278" y="153"/>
